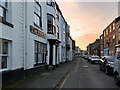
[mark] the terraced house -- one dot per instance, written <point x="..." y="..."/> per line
<point x="32" y="38"/>
<point x="109" y="39"/>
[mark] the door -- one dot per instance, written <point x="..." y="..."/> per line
<point x="51" y="55"/>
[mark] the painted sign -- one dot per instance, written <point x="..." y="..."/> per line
<point x="37" y="32"/>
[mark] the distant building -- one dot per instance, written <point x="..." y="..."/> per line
<point x="89" y="49"/>
<point x="109" y="39"/>
<point x="101" y="46"/>
<point x="77" y="51"/>
<point x="94" y="48"/>
<point x="117" y="23"/>
<point x="67" y="42"/>
<point x="73" y="48"/>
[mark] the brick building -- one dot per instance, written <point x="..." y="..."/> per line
<point x="109" y="39"/>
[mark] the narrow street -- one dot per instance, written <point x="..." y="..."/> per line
<point x="76" y="74"/>
<point x="86" y="75"/>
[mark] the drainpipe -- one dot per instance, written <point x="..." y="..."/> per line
<point x="25" y="33"/>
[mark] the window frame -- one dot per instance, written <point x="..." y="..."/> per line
<point x="39" y="16"/>
<point x="43" y="54"/>
<point x="5" y="55"/>
<point x="53" y="31"/>
<point x="4" y="11"/>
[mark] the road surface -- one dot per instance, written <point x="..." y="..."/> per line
<point x="86" y="75"/>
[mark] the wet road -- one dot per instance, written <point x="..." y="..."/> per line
<point x="86" y="75"/>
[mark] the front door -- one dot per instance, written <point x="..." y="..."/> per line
<point x="51" y="55"/>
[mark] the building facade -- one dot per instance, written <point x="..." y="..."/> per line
<point x="71" y="52"/>
<point x="117" y="23"/>
<point x="67" y="42"/>
<point x="94" y="48"/>
<point x="73" y="48"/>
<point x="32" y="37"/>
<point x="63" y="39"/>
<point x="109" y="39"/>
<point x="101" y="46"/>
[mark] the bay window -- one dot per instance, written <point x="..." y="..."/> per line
<point x="51" y="24"/>
<point x="38" y="15"/>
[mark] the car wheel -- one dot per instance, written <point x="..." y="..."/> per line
<point x="117" y="82"/>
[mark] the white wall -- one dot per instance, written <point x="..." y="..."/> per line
<point x="15" y="35"/>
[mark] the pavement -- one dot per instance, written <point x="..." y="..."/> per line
<point x="86" y="75"/>
<point x="47" y="79"/>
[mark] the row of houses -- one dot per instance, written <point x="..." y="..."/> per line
<point x="105" y="46"/>
<point x="33" y="36"/>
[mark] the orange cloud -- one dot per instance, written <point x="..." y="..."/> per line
<point x="87" y="20"/>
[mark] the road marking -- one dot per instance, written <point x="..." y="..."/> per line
<point x="64" y="82"/>
<point x="44" y="74"/>
<point x="85" y="66"/>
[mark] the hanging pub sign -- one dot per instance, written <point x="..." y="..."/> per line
<point x="37" y="32"/>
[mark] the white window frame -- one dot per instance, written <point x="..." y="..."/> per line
<point x="8" y="58"/>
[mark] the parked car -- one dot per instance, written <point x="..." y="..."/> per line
<point x="106" y="64"/>
<point x="95" y="59"/>
<point x="86" y="57"/>
<point x="89" y="58"/>
<point x="117" y="66"/>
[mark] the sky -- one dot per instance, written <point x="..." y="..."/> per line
<point x="87" y="20"/>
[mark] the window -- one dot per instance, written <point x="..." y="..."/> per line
<point x="57" y="32"/>
<point x="113" y="26"/>
<point x="38" y="15"/>
<point x="110" y="41"/>
<point x="3" y="9"/>
<point x="113" y="39"/>
<point x="107" y="43"/>
<point x="4" y="54"/>
<point x="118" y="30"/>
<point x="119" y="39"/>
<point x="110" y="28"/>
<point x="51" y="3"/>
<point x="57" y="14"/>
<point x="51" y="24"/>
<point x="106" y="31"/>
<point x="40" y="53"/>
<point x="63" y="37"/>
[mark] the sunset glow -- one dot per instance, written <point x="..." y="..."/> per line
<point x="87" y="20"/>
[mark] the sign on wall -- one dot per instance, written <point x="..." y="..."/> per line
<point x="37" y="32"/>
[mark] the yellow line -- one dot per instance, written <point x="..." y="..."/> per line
<point x="64" y="82"/>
